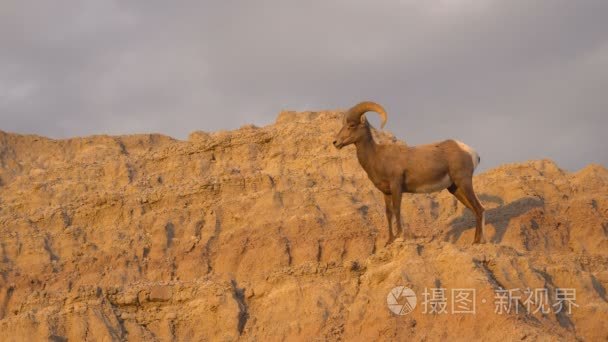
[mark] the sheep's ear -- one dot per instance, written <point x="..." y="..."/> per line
<point x="363" y="119"/>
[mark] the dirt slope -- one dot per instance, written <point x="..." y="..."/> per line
<point x="270" y="233"/>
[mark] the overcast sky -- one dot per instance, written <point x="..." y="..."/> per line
<point x="516" y="80"/>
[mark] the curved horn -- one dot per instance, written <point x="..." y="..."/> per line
<point x="358" y="110"/>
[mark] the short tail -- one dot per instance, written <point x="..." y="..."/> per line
<point x="476" y="159"/>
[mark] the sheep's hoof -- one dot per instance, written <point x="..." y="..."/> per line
<point x="479" y="241"/>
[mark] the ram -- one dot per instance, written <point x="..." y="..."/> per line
<point x="395" y="169"/>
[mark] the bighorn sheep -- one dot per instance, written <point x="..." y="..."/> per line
<point x="395" y="169"/>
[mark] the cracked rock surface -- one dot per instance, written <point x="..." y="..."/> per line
<point x="272" y="234"/>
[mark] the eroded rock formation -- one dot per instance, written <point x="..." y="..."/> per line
<point x="270" y="233"/>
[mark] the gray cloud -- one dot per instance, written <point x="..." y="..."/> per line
<point x="515" y="79"/>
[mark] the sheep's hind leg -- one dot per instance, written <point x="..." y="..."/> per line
<point x="389" y="217"/>
<point x="465" y="194"/>
<point x="479" y="212"/>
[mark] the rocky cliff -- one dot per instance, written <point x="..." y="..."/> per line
<point x="272" y="234"/>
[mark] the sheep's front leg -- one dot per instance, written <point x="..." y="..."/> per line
<point x="389" y="217"/>
<point x="396" y="199"/>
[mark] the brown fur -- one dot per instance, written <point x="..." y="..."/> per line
<point x="395" y="169"/>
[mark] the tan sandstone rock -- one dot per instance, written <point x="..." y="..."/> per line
<point x="270" y="233"/>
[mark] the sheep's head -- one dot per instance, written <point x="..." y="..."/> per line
<point x="355" y="125"/>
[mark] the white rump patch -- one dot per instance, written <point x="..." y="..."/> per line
<point x="443" y="183"/>
<point x="468" y="149"/>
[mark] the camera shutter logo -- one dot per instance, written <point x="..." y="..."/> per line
<point x="401" y="300"/>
